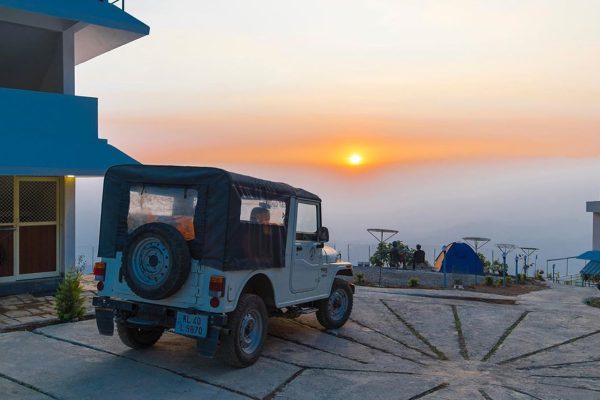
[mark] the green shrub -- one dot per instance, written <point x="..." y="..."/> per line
<point x="593" y="301"/>
<point x="539" y="276"/>
<point x="413" y="282"/>
<point x="508" y="280"/>
<point x="69" y="301"/>
<point x="489" y="281"/>
<point x="359" y="277"/>
<point x="499" y="283"/>
<point x="381" y="256"/>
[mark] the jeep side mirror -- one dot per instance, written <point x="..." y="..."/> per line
<point x="323" y="234"/>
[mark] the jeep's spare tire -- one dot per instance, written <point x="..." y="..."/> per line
<point x="156" y="261"/>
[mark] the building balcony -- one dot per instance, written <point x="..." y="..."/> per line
<point x="52" y="134"/>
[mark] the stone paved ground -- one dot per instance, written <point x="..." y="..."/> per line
<point x="24" y="310"/>
<point x="399" y="344"/>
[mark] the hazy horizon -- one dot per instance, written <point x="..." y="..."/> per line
<point x="529" y="203"/>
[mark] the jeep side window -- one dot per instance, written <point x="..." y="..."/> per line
<point x="262" y="211"/>
<point x="307" y="222"/>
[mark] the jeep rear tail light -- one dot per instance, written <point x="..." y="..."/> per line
<point x="216" y="287"/>
<point x="100" y="270"/>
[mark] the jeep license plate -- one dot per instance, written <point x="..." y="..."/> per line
<point x="191" y="324"/>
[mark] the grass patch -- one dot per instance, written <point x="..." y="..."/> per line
<point x="461" y="338"/>
<point x="593" y="302"/>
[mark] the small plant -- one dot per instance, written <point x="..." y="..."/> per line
<point x="359" y="278"/>
<point x="539" y="275"/>
<point x="489" y="281"/>
<point x="413" y="282"/>
<point x="69" y="301"/>
<point x="508" y="280"/>
<point x="499" y="283"/>
<point x="593" y="301"/>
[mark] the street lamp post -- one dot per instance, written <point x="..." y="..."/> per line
<point x="444" y="268"/>
<point x="504" y="249"/>
<point x="527" y="253"/>
<point x="476" y="243"/>
<point x="384" y="236"/>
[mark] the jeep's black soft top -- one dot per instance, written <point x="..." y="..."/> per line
<point x="221" y="237"/>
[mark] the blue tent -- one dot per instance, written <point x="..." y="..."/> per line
<point x="459" y="258"/>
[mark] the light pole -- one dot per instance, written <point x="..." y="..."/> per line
<point x="384" y="236"/>
<point x="444" y="267"/>
<point x="476" y="243"/>
<point x="527" y="252"/>
<point x="504" y="249"/>
<point x="517" y="267"/>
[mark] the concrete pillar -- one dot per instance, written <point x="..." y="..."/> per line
<point x="68" y="225"/>
<point x="68" y="61"/>
<point x="68" y="57"/>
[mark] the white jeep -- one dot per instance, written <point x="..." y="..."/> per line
<point x="212" y="255"/>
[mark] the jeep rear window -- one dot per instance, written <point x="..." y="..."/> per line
<point x="169" y="205"/>
<point x="262" y="211"/>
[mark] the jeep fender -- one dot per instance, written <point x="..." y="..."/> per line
<point x="257" y="283"/>
<point x="343" y="270"/>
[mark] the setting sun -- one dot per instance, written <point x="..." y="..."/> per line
<point x="355" y="159"/>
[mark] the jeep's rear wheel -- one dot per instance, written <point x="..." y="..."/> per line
<point x="248" y="328"/>
<point x="334" y="311"/>
<point x="138" y="338"/>
<point x="156" y="262"/>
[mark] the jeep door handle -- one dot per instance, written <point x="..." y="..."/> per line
<point x="298" y="247"/>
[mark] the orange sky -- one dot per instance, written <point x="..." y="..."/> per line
<point x="329" y="141"/>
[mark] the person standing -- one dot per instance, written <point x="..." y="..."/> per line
<point x="394" y="255"/>
<point x="418" y="257"/>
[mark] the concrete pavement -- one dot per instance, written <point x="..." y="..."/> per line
<point x="396" y="346"/>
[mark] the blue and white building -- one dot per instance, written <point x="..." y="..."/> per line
<point x="48" y="135"/>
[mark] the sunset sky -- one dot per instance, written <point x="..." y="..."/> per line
<point x="470" y="117"/>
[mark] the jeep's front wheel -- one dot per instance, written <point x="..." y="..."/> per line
<point x="247" y="326"/>
<point x="334" y="311"/>
<point x="138" y="338"/>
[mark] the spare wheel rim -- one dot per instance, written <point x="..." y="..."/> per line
<point x="151" y="262"/>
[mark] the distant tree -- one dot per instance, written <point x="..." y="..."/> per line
<point x="381" y="257"/>
<point x="487" y="265"/>
<point x="408" y="253"/>
<point x="498" y="267"/>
